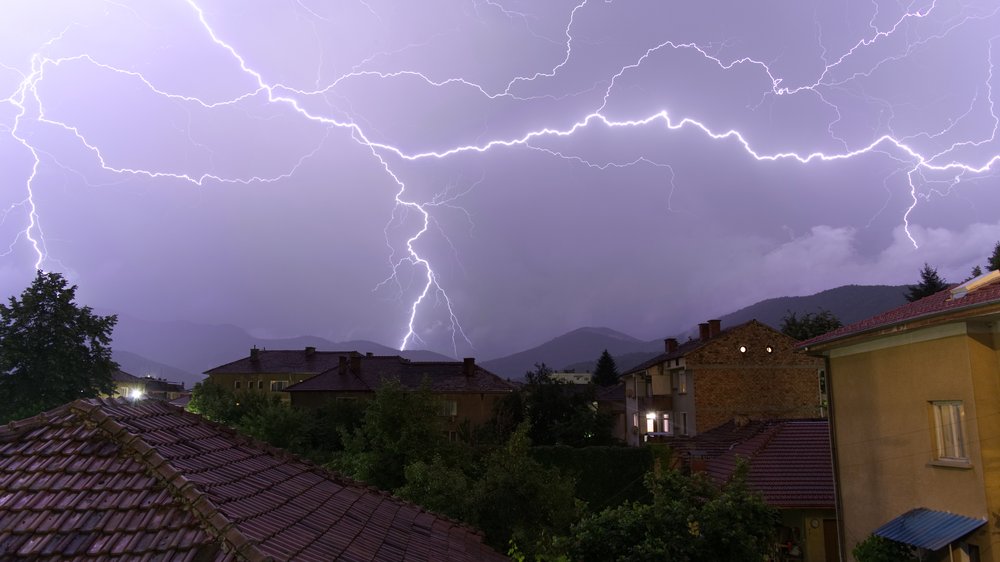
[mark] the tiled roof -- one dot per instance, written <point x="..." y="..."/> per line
<point x="790" y="464"/>
<point x="283" y="361"/>
<point x="110" y="480"/>
<point x="443" y="376"/>
<point x="685" y="348"/>
<point x="938" y="304"/>
<point x="615" y="393"/>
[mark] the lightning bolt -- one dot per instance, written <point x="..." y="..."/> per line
<point x="922" y="168"/>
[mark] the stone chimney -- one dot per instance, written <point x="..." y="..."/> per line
<point x="342" y="365"/>
<point x="469" y="366"/>
<point x="670" y="345"/>
<point x="254" y="354"/>
<point x="310" y="351"/>
<point x="356" y="364"/>
<point x="703" y="331"/>
<point x="714" y="327"/>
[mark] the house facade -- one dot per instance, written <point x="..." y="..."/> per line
<point x="915" y="415"/>
<point x="749" y="370"/>
<point x="272" y="371"/>
<point x="131" y="386"/>
<point x="467" y="393"/>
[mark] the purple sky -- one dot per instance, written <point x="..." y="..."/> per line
<point x="288" y="166"/>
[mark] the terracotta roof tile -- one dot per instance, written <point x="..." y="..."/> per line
<point x="443" y="377"/>
<point x="98" y="480"/>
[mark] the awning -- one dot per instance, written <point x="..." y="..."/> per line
<point x="926" y="528"/>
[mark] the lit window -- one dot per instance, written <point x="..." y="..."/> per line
<point x="635" y="420"/>
<point x="277" y="386"/>
<point x="666" y="428"/>
<point x="769" y="349"/>
<point x="949" y="417"/>
<point x="651" y="422"/>
<point x="743" y="349"/>
<point x="682" y="382"/>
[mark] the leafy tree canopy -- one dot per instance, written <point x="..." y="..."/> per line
<point x="52" y="351"/>
<point x="930" y="283"/>
<point x="878" y="549"/>
<point x="810" y="325"/>
<point x="562" y="414"/>
<point x="606" y="373"/>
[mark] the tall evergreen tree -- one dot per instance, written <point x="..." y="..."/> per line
<point x="810" y="325"/>
<point x="993" y="263"/>
<point x="606" y="373"/>
<point x="976" y="272"/>
<point x="930" y="283"/>
<point x="52" y="351"/>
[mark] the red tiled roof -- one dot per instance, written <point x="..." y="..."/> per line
<point x="790" y="464"/>
<point x="284" y="361"/>
<point x="443" y="377"/>
<point x="109" y="479"/>
<point x="939" y="303"/>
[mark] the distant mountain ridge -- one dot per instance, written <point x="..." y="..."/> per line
<point x="579" y="349"/>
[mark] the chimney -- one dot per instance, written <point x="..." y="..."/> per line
<point x="355" y="364"/>
<point x="254" y="354"/>
<point x="703" y="333"/>
<point x="469" y="366"/>
<point x="342" y="366"/>
<point x="670" y="345"/>
<point x="714" y="327"/>
<point x="370" y="354"/>
<point x="310" y="350"/>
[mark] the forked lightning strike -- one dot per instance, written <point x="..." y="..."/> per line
<point x="26" y="96"/>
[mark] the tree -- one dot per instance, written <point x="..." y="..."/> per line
<point x="606" y="373"/>
<point x="810" y="325"/>
<point x="563" y="414"/>
<point x="690" y="519"/>
<point x="993" y="263"/>
<point x="976" y="272"/>
<point x="930" y="283"/>
<point x="878" y="549"/>
<point x="52" y="351"/>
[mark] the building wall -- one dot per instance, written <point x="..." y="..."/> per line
<point x="475" y="408"/>
<point x="228" y="381"/>
<point x="807" y="528"/>
<point x="885" y="432"/>
<point x="756" y="383"/>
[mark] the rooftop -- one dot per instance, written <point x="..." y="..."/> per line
<point x="303" y="361"/>
<point x="367" y="373"/>
<point x="977" y="293"/>
<point x="110" y="479"/>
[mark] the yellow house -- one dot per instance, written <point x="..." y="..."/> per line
<point x="915" y="423"/>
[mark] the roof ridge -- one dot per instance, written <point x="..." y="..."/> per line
<point x="192" y="498"/>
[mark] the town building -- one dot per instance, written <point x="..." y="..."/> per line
<point x="467" y="392"/>
<point x="115" y="479"/>
<point x="572" y="377"/>
<point x="272" y="371"/>
<point x="915" y="417"/>
<point x="749" y="371"/>
<point x="131" y="386"/>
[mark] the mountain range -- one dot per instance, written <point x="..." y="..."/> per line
<point x="181" y="351"/>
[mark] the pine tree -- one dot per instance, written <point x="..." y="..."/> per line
<point x="930" y="283"/>
<point x="606" y="373"/>
<point x="976" y="272"/>
<point x="993" y="263"/>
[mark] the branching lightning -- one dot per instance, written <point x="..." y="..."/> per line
<point x="942" y="163"/>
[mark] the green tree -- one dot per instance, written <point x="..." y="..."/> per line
<point x="930" y="283"/>
<point x="810" y="325"/>
<point x="976" y="272"/>
<point x="606" y="373"/>
<point x="993" y="262"/>
<point x="400" y="427"/>
<point x="563" y="414"/>
<point x="690" y="519"/>
<point x="52" y="351"/>
<point x="878" y="549"/>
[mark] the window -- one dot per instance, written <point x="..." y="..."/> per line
<point x="635" y="420"/>
<point x="277" y="386"/>
<point x="665" y="427"/>
<point x="260" y="385"/>
<point x="949" y="416"/>
<point x="682" y="382"/>
<point x="684" y="423"/>
<point x="236" y="385"/>
<point x="448" y="408"/>
<point x="650" y="423"/>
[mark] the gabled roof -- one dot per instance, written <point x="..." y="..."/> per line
<point x="951" y="301"/>
<point x="299" y="361"/>
<point x="110" y="479"/>
<point x="443" y="377"/>
<point x="790" y="464"/>
<point x="689" y="347"/>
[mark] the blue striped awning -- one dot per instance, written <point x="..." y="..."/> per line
<point x="926" y="528"/>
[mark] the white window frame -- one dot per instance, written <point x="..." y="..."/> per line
<point x="949" y="431"/>
<point x="448" y="408"/>
<point x="278" y="386"/>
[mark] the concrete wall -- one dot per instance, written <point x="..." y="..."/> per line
<point x="228" y="380"/>
<point x="885" y="432"/>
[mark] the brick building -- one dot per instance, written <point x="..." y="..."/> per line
<point x="749" y="370"/>
<point x="271" y="371"/>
